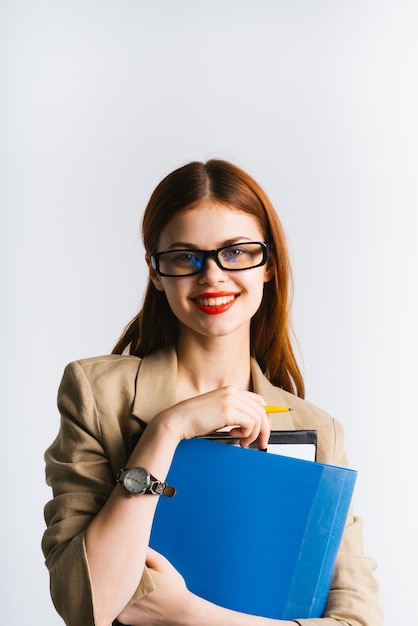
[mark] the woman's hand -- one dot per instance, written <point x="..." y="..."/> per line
<point x="168" y="605"/>
<point x="243" y="411"/>
<point x="172" y="604"/>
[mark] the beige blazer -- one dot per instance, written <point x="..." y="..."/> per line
<point x="104" y="403"/>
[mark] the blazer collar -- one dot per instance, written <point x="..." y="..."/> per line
<point x="156" y="388"/>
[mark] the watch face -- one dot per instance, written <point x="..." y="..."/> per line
<point x="136" y="480"/>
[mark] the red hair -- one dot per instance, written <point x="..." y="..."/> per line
<point x="156" y="327"/>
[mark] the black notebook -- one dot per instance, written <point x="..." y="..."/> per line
<point x="299" y="444"/>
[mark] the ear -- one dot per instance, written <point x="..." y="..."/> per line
<point x="154" y="277"/>
<point x="269" y="268"/>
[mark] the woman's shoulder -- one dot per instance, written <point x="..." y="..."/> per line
<point x="306" y="414"/>
<point x="106" y="375"/>
<point x="304" y="407"/>
<point x="112" y="363"/>
<point x="116" y="375"/>
<point x="99" y="392"/>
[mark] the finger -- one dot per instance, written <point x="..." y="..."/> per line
<point x="258" y="428"/>
<point x="246" y="434"/>
<point x="265" y="430"/>
<point x="262" y="425"/>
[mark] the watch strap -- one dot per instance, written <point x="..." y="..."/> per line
<point x="160" y="489"/>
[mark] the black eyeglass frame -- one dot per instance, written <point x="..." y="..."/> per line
<point x="206" y="254"/>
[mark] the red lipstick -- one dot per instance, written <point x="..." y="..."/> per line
<point x="215" y="303"/>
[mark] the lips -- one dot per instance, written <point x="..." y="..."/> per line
<point x="214" y="303"/>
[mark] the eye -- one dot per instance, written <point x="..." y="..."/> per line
<point x="234" y="254"/>
<point x="238" y="252"/>
<point x="185" y="258"/>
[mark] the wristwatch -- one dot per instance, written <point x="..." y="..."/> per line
<point x="137" y="480"/>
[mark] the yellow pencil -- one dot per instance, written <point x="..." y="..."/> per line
<point x="277" y="409"/>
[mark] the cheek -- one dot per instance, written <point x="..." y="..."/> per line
<point x="255" y="291"/>
<point x="257" y="283"/>
<point x="176" y="293"/>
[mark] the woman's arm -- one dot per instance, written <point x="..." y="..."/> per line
<point x="117" y="538"/>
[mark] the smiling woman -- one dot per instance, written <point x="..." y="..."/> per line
<point x="223" y="185"/>
<point x="211" y="282"/>
<point x="211" y="347"/>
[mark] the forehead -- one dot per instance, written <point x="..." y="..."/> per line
<point x="210" y="225"/>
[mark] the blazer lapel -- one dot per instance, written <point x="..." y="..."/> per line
<point x="156" y="384"/>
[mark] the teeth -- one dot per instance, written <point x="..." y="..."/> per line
<point x="215" y="301"/>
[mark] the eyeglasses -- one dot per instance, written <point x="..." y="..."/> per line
<point x="238" y="257"/>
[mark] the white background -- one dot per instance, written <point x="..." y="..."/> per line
<point x="317" y="100"/>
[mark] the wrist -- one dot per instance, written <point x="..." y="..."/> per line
<point x="171" y="425"/>
<point x="155" y="449"/>
<point x="164" y="426"/>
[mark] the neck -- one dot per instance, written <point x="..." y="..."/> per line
<point x="208" y="365"/>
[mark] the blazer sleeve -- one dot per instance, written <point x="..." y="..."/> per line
<point x="80" y="473"/>
<point x="353" y="599"/>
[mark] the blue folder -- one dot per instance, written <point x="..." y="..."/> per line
<point x="252" y="531"/>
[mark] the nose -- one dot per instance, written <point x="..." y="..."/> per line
<point x="212" y="273"/>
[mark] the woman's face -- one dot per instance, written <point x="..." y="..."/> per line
<point x="215" y="302"/>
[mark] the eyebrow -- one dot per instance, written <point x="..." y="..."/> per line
<point x="183" y="245"/>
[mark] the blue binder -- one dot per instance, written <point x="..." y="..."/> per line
<point x="251" y="531"/>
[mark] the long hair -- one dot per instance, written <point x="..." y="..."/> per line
<point x="156" y="327"/>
